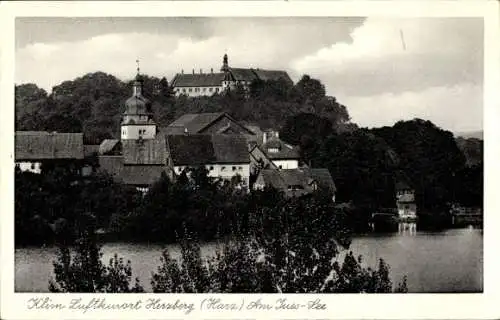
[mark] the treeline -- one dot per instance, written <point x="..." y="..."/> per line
<point x="51" y="206"/>
<point x="93" y="104"/>
<point x="368" y="163"/>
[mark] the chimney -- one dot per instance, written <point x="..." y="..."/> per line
<point x="211" y="70"/>
<point x="182" y="71"/>
<point x="264" y="138"/>
<point x="277" y="134"/>
<point x="193" y="71"/>
<point x="201" y="71"/>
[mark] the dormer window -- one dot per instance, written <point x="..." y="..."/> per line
<point x="273" y="150"/>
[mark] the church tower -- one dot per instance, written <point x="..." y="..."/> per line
<point x="137" y="120"/>
<point x="225" y="64"/>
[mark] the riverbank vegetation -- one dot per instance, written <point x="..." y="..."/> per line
<point x="294" y="256"/>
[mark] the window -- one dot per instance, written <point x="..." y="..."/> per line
<point x="204" y="89"/>
<point x="234" y="168"/>
<point x="216" y="89"/>
<point x="280" y="166"/>
<point x="223" y="169"/>
<point x="184" y="90"/>
<point x="240" y="168"/>
<point x="273" y="150"/>
<point x="211" y="167"/>
<point x="190" y="89"/>
<point x="210" y="89"/>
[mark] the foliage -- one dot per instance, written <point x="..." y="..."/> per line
<point x="48" y="206"/>
<point x="429" y="156"/>
<point x="287" y="251"/>
<point x="83" y="271"/>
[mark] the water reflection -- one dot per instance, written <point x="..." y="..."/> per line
<point x="434" y="261"/>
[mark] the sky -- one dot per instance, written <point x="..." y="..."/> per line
<point x="383" y="70"/>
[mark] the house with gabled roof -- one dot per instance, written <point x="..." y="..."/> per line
<point x="405" y="197"/>
<point x="223" y="156"/>
<point x="207" y="123"/>
<point x="207" y="84"/>
<point x="33" y="149"/>
<point x="274" y="151"/>
<point x="296" y="182"/>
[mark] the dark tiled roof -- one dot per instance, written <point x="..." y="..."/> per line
<point x="130" y="174"/>
<point x="234" y="74"/>
<point x="282" y="179"/>
<point x="231" y="148"/>
<point x="204" y="149"/>
<point x="323" y="177"/>
<point x="285" y="151"/>
<point x="193" y="122"/>
<point x="266" y="75"/>
<point x="40" y="145"/>
<point x="240" y="74"/>
<point x="147" y="151"/>
<point x="107" y="145"/>
<point x="191" y="149"/>
<point x="198" y="80"/>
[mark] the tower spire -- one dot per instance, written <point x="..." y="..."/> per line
<point x="225" y="63"/>
<point x="138" y="80"/>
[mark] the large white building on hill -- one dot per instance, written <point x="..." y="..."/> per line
<point x="207" y="84"/>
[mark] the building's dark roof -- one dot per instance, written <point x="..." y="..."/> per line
<point x="241" y="74"/>
<point x="285" y="151"/>
<point x="193" y="122"/>
<point x="230" y="148"/>
<point x="140" y="175"/>
<point x="233" y="74"/>
<point x="41" y="145"/>
<point x="266" y="75"/>
<point x="205" y="149"/>
<point x="323" y="177"/>
<point x="146" y="151"/>
<point x="191" y="149"/>
<point x="137" y="105"/>
<point x="107" y="145"/>
<point x="304" y="177"/>
<point x="198" y="80"/>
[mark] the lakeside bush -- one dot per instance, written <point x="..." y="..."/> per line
<point x="240" y="265"/>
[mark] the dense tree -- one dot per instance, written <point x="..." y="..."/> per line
<point x="429" y="156"/>
<point x="84" y="270"/>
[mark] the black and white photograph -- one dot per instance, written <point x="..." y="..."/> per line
<point x="248" y="154"/>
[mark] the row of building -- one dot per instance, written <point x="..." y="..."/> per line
<point x="216" y="141"/>
<point x="207" y="84"/>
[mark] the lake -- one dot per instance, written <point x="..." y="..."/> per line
<point x="444" y="261"/>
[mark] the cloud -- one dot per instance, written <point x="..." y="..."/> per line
<point x="400" y="55"/>
<point x="456" y="108"/>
